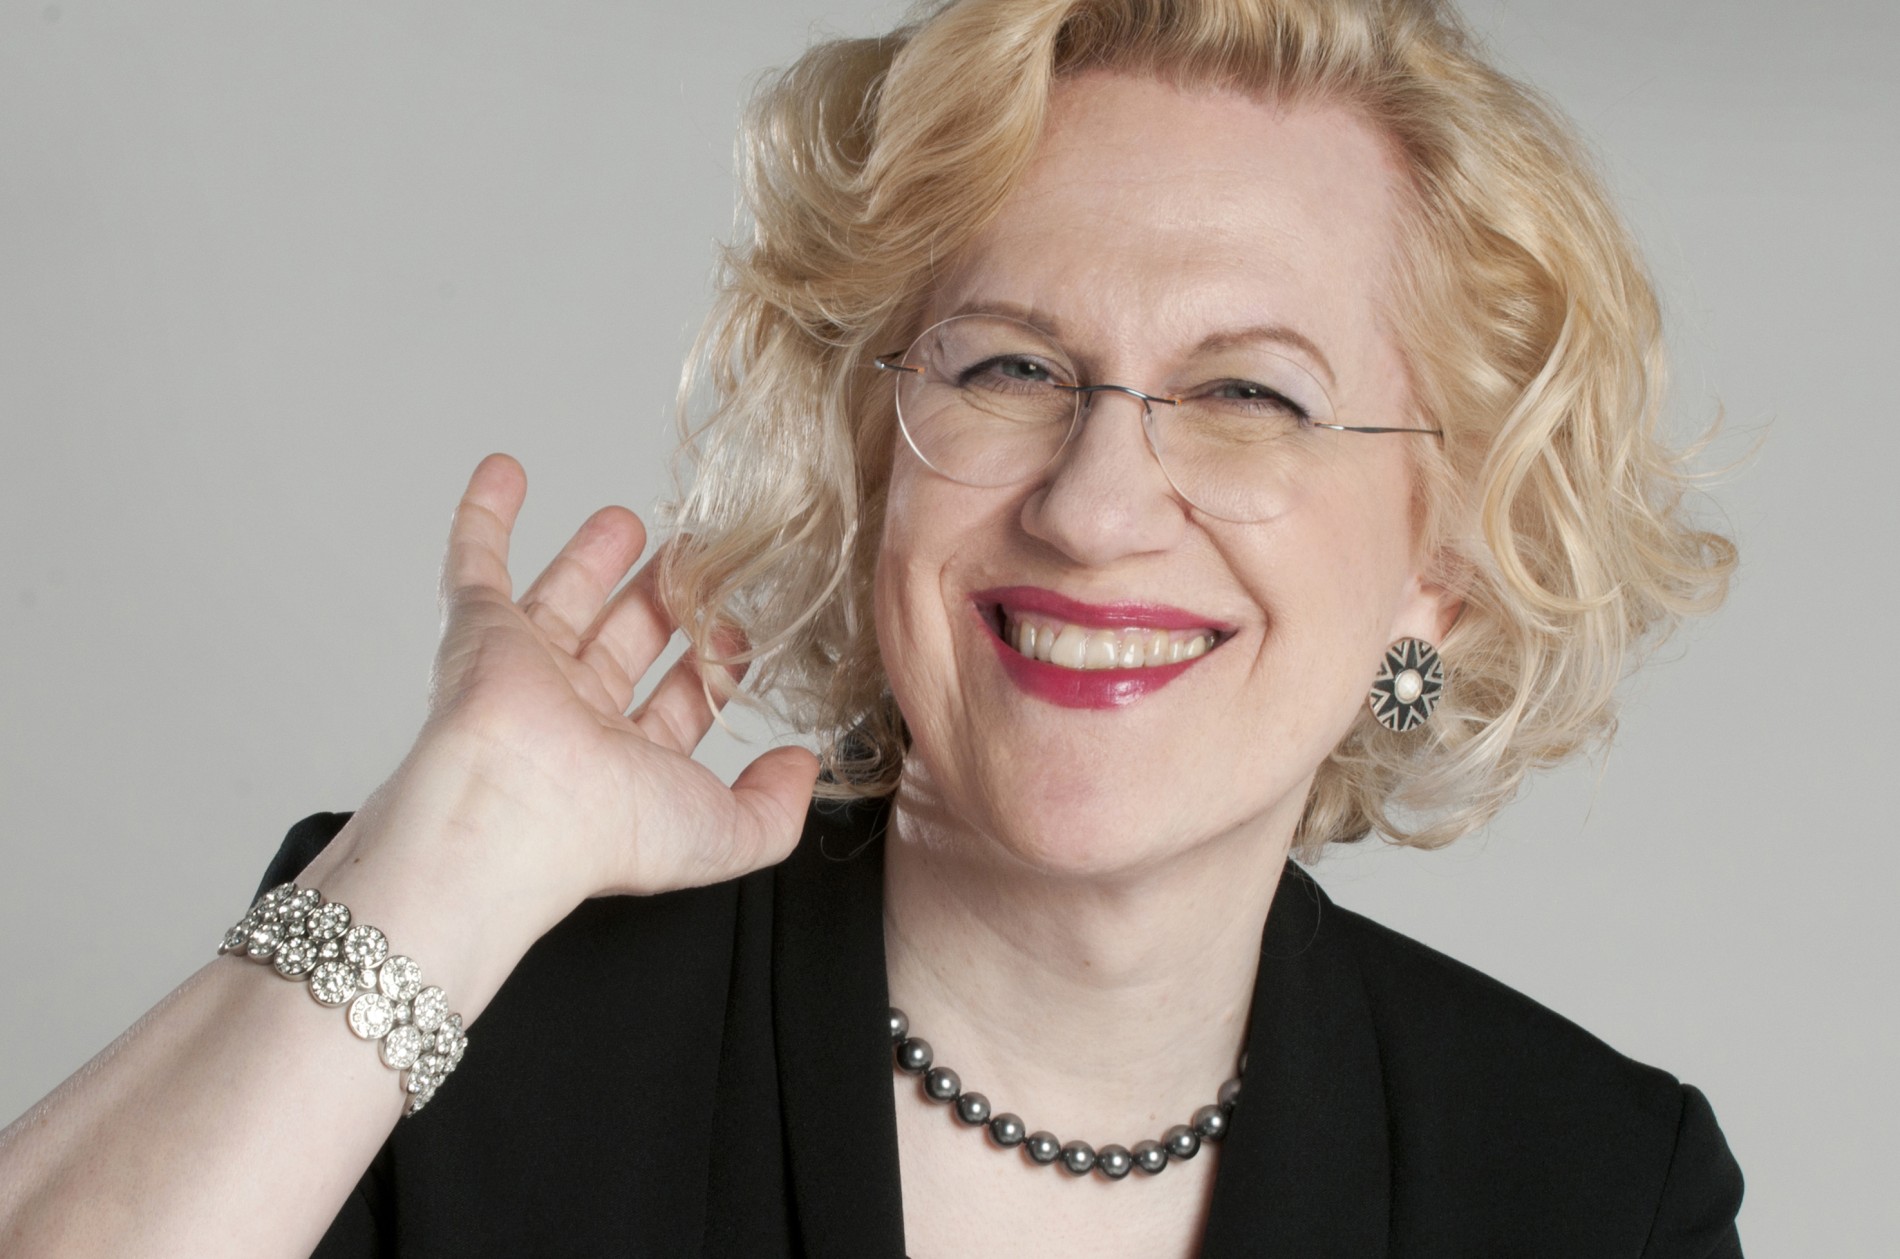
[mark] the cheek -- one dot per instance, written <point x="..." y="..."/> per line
<point x="912" y="617"/>
<point x="1334" y="574"/>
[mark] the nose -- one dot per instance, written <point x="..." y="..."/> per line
<point x="1106" y="495"/>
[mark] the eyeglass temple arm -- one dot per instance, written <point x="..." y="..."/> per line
<point x="1362" y="428"/>
<point x="885" y="362"/>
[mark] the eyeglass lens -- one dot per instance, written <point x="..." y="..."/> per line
<point x="984" y="403"/>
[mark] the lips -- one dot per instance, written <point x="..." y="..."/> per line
<point x="1092" y="655"/>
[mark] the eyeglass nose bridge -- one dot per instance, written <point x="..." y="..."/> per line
<point x="1086" y="394"/>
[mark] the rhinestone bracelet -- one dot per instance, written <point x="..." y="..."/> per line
<point x="303" y="937"/>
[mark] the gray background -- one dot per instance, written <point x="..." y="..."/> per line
<point x="274" y="276"/>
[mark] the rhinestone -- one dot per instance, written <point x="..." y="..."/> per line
<point x="294" y="957"/>
<point x="297" y="906"/>
<point x="266" y="906"/>
<point x="421" y="1097"/>
<point x="400" y="978"/>
<point x="365" y="946"/>
<point x="431" y="1065"/>
<point x="327" y="922"/>
<point x="402" y="1047"/>
<point x="329" y="951"/>
<point x="237" y="937"/>
<point x="265" y="937"/>
<point x="333" y="983"/>
<point x="372" y="1015"/>
<point x="429" y="1008"/>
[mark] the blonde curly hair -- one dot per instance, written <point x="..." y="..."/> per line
<point x="1527" y="321"/>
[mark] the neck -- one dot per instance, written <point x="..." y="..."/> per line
<point x="1104" y="1004"/>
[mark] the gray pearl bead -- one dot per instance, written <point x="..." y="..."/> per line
<point x="1229" y="1094"/>
<point x="973" y="1108"/>
<point x="1150" y="1157"/>
<point x="1007" y="1130"/>
<point x="1078" y="1157"/>
<point x="942" y="1084"/>
<point x="1114" y="1161"/>
<point x="900" y="1024"/>
<point x="1181" y="1141"/>
<point x="1043" y="1146"/>
<point x="1210" y="1122"/>
<point x="913" y="1055"/>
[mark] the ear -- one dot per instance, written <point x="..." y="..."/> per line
<point x="1432" y="603"/>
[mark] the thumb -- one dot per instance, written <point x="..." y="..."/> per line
<point x="773" y="793"/>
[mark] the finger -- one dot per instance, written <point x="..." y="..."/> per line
<point x="630" y="632"/>
<point x="477" y="554"/>
<point x="682" y="707"/>
<point x="571" y="590"/>
<point x="773" y="794"/>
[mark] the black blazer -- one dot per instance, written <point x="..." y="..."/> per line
<point x="708" y="1073"/>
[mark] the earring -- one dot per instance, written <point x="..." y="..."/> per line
<point x="1411" y="680"/>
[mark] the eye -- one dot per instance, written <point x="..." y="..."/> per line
<point x="1005" y="371"/>
<point x="1246" y="397"/>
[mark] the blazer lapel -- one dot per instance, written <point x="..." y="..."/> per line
<point x="829" y="1003"/>
<point x="1306" y="1166"/>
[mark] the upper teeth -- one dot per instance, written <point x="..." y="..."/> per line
<point x="1078" y="647"/>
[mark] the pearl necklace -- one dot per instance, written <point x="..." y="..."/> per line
<point x="1182" y="1141"/>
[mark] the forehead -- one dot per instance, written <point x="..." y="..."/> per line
<point x="1153" y="216"/>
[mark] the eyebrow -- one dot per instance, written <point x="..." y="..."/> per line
<point x="1279" y="333"/>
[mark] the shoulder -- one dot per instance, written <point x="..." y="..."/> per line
<point x="1502" y="1107"/>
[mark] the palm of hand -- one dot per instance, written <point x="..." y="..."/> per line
<point x="530" y="696"/>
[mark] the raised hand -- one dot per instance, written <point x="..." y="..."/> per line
<point x="529" y="789"/>
<point x="560" y="786"/>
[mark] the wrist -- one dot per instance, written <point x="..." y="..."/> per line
<point x="419" y="880"/>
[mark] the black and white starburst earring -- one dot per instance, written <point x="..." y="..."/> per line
<point x="1411" y="679"/>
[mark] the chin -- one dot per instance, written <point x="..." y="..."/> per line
<point x="1092" y="825"/>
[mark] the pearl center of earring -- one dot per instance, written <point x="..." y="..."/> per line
<point x="1408" y="686"/>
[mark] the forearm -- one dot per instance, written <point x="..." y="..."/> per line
<point x="233" y="1118"/>
<point x="236" y="1116"/>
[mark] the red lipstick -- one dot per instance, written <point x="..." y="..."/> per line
<point x="1084" y="688"/>
<point x="1118" y="615"/>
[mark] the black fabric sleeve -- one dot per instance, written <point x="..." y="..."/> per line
<point x="1695" y="1218"/>
<point x="362" y="1228"/>
<point x="300" y="847"/>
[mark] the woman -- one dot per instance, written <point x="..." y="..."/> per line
<point x="1153" y="440"/>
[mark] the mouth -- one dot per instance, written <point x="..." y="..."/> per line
<point x="1093" y="655"/>
<point x="1067" y="645"/>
